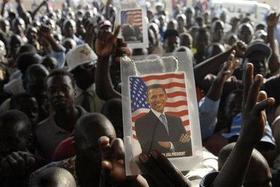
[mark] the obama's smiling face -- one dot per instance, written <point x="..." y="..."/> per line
<point x="157" y="98"/>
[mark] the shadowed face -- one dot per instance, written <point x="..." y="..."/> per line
<point x="60" y="92"/>
<point x="157" y="99"/>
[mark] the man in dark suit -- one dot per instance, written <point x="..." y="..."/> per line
<point x="159" y="131"/>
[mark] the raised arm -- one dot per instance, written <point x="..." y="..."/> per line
<point x="20" y="8"/>
<point x="209" y="106"/>
<point x="255" y="102"/>
<point x="45" y="2"/>
<point x="104" y="46"/>
<point x="274" y="61"/>
<point x="3" y="7"/>
<point x="211" y="65"/>
<point x="113" y="167"/>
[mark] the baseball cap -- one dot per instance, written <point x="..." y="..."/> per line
<point x="258" y="46"/>
<point x="81" y="54"/>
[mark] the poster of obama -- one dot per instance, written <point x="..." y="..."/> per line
<point x="159" y="112"/>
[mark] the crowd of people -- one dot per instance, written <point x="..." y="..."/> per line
<point x="61" y="120"/>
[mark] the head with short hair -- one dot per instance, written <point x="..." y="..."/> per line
<point x="27" y="59"/>
<point x="69" y="28"/>
<point x="217" y="31"/>
<point x="202" y="38"/>
<point x="88" y="129"/>
<point x="186" y="40"/>
<point x="171" y="40"/>
<point x="49" y="62"/>
<point x="54" y="177"/>
<point x="26" y="104"/>
<point x="15" y="132"/>
<point x="34" y="80"/>
<point x="26" y="48"/>
<point x="258" y="173"/>
<point x="245" y="32"/>
<point x="60" y="88"/>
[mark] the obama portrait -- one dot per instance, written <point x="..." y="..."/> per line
<point x="158" y="130"/>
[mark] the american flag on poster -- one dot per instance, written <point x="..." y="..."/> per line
<point x="176" y="105"/>
<point x="137" y="13"/>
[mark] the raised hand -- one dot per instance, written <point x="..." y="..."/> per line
<point x="240" y="47"/>
<point x="16" y="163"/>
<point x="253" y="105"/>
<point x="113" y="165"/>
<point x="106" y="41"/>
<point x="272" y="19"/>
<point x="162" y="172"/>
<point x="228" y="67"/>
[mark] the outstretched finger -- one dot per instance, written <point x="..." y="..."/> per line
<point x="117" y="149"/>
<point x="262" y="96"/>
<point x="263" y="105"/>
<point x="247" y="77"/>
<point x="254" y="92"/>
<point x="104" y="145"/>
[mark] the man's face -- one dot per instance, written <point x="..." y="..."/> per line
<point x="30" y="107"/>
<point x="19" y="26"/>
<point x="5" y="26"/>
<point x="84" y="75"/>
<point x="11" y="138"/>
<point x="157" y="99"/>
<point x="60" y="92"/>
<point x="171" y="43"/>
<point x="218" y="31"/>
<point x="32" y="34"/>
<point x="245" y="34"/>
<point x="69" y="29"/>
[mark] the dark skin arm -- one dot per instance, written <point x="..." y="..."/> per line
<point x="274" y="63"/>
<point x="161" y="171"/>
<point x="211" y="65"/>
<point x="45" y="2"/>
<point x="107" y="8"/>
<point x="16" y="164"/>
<point x="216" y="89"/>
<point x="21" y="9"/>
<point x="104" y="47"/>
<point x="233" y="172"/>
<point x="113" y="168"/>
<point x="254" y="118"/>
<point x="3" y="7"/>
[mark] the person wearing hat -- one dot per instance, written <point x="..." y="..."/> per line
<point x="81" y="63"/>
<point x="258" y="53"/>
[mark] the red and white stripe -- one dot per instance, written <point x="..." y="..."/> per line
<point x="176" y="105"/>
<point x="137" y="13"/>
